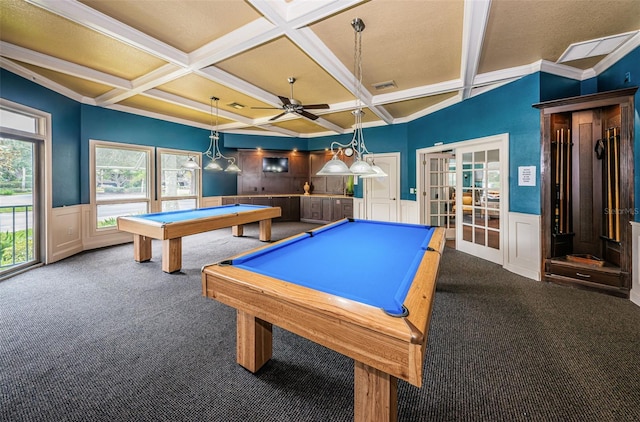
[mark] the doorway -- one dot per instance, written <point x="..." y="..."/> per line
<point x="464" y="188"/>
<point x="381" y="193"/>
<point x="440" y="188"/>
<point x="19" y="211"/>
<point x="25" y="134"/>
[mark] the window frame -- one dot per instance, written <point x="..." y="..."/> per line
<point x="42" y="203"/>
<point x="94" y="144"/>
<point x="197" y="177"/>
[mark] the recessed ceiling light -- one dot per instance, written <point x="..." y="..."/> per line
<point x="236" y="106"/>
<point x="592" y="48"/>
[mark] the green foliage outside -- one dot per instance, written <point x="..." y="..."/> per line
<point x="120" y="170"/>
<point x="107" y="222"/>
<point x="21" y="239"/>
<point x="15" y="167"/>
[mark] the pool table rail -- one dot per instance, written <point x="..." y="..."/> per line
<point x="171" y="233"/>
<point x="393" y="345"/>
<point x="161" y="231"/>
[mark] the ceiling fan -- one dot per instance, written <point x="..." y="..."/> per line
<point x="291" y="105"/>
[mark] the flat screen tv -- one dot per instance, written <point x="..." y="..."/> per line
<point x="275" y="164"/>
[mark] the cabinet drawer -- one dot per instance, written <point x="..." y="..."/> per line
<point x="590" y="274"/>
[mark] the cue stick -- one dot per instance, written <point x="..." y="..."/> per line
<point x="616" y="183"/>
<point x="568" y="181"/>
<point x="609" y="198"/>
<point x="561" y="146"/>
<point x="557" y="222"/>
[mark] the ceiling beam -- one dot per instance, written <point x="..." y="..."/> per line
<point x="476" y="15"/>
<point x="99" y="22"/>
<point x="25" y="55"/>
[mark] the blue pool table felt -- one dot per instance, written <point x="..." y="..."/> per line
<point x="184" y="215"/>
<point x="367" y="261"/>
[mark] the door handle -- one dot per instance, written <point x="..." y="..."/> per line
<point x="393" y="199"/>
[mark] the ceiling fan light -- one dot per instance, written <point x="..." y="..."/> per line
<point x="334" y="167"/>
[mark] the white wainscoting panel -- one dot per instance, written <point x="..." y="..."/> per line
<point x="523" y="245"/>
<point x="210" y="201"/>
<point x="64" y="233"/>
<point x="635" y="261"/>
<point x="358" y="208"/>
<point x="409" y="212"/>
<point x="93" y="238"/>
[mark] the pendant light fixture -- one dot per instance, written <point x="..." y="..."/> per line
<point x="213" y="152"/>
<point x="360" y="167"/>
<point x="191" y="164"/>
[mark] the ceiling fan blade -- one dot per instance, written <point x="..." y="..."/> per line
<point x="307" y="115"/>
<point x="277" y="117"/>
<point x="316" y="106"/>
<point x="285" y="100"/>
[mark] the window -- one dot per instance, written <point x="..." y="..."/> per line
<point x="22" y="138"/>
<point x="124" y="181"/>
<point x="179" y="187"/>
<point x="121" y="181"/>
<point x="18" y="121"/>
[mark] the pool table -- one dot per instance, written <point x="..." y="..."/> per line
<point x="171" y="226"/>
<point x="362" y="288"/>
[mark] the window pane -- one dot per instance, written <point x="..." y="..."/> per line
<point x="17" y="189"/>
<point x="107" y="214"/>
<point x="121" y="173"/>
<point x="177" y="181"/>
<point x="180" y="204"/>
<point x="17" y="121"/>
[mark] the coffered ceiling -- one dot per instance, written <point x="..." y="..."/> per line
<point x="167" y="58"/>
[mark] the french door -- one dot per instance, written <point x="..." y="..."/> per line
<point x="20" y="192"/>
<point x="480" y="200"/>
<point x="440" y="192"/>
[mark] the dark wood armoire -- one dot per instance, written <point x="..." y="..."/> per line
<point x="587" y="177"/>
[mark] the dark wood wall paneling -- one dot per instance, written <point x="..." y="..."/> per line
<point x="286" y="190"/>
<point x="303" y="167"/>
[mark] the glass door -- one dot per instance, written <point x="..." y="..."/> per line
<point x="19" y="231"/>
<point x="440" y="192"/>
<point x="479" y="203"/>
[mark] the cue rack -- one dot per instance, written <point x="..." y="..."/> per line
<point x="561" y="150"/>
<point x="608" y="150"/>
<point x="587" y="194"/>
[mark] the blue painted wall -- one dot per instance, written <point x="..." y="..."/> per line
<point x="507" y="109"/>
<point x="614" y="78"/>
<point x="554" y="87"/>
<point x="65" y="115"/>
<point x="504" y="110"/>
<point x="115" y="126"/>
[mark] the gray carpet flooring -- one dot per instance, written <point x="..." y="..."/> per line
<point x="99" y="337"/>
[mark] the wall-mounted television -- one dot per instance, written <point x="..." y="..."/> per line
<point x="275" y="164"/>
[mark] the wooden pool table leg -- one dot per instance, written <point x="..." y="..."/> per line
<point x="172" y="255"/>
<point x="237" y="230"/>
<point x="375" y="395"/>
<point x="141" y="248"/>
<point x="254" y="344"/>
<point x="265" y="230"/>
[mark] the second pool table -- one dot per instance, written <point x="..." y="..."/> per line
<point x="362" y="288"/>
<point x="171" y="226"/>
